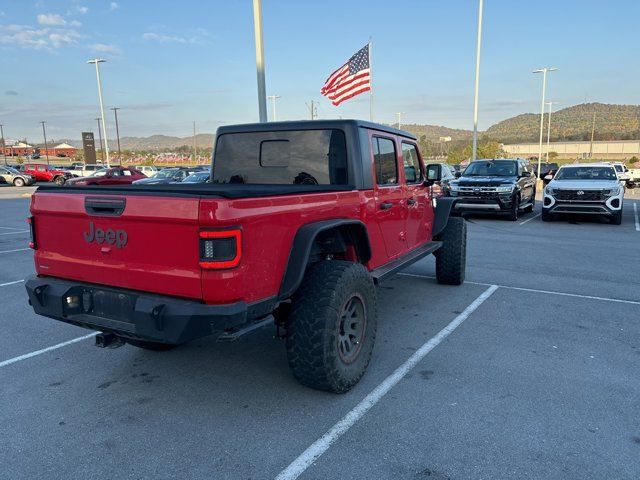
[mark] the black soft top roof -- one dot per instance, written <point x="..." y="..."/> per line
<point x="311" y="125"/>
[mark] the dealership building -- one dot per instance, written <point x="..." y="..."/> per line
<point x="19" y="149"/>
<point x="610" y="150"/>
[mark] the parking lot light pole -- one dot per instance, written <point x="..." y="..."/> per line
<point x="100" y="136"/>
<point x="544" y="72"/>
<point x="262" y="89"/>
<point x="549" y="127"/>
<point x="4" y="151"/>
<point x="399" y="114"/>
<point x="474" y="152"/>
<point x="97" y="62"/>
<point x="115" y="112"/>
<point x="46" y="147"/>
<point x="273" y="99"/>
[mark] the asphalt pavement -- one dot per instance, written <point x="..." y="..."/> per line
<point x="528" y="370"/>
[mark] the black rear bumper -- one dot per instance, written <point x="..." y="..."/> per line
<point x="132" y="314"/>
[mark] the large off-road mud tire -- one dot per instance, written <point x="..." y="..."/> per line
<point x="331" y="328"/>
<point x="451" y="258"/>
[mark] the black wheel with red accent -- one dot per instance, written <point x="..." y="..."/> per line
<point x="331" y="328"/>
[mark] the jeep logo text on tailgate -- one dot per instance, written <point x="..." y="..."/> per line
<point x="117" y="237"/>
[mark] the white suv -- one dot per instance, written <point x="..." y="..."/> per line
<point x="591" y="188"/>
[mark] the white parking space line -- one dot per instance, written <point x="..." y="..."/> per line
<point x="45" y="350"/>
<point x="534" y="290"/>
<point x="13" y="233"/>
<point x="11" y="283"/>
<point x="311" y="454"/>
<point x="635" y="213"/>
<point x="16" y="250"/>
<point x="529" y="219"/>
<point x="9" y="228"/>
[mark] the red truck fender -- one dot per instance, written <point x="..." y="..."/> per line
<point x="353" y="231"/>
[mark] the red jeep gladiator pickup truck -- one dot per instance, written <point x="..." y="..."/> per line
<point x="300" y="220"/>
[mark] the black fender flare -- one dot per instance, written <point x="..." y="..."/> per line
<point x="442" y="214"/>
<point x="303" y="243"/>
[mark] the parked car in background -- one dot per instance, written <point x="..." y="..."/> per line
<point x="622" y="171"/>
<point x="545" y="169"/>
<point x="589" y="188"/>
<point x="83" y="170"/>
<point x="634" y="177"/>
<point x="447" y="174"/>
<point x="12" y="176"/>
<point x="110" y="176"/>
<point x="168" y="175"/>
<point x="197" y="177"/>
<point x="498" y="186"/>
<point x="148" y="170"/>
<point x="46" y="173"/>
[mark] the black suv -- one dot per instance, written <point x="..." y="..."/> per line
<point x="494" y="186"/>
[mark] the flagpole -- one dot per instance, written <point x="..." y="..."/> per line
<point x="370" y="82"/>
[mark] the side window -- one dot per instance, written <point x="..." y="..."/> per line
<point x="126" y="173"/>
<point x="385" y="158"/>
<point x="412" y="170"/>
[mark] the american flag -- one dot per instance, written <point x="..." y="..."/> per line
<point x="351" y="79"/>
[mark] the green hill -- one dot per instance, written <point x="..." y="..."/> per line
<point x="613" y="122"/>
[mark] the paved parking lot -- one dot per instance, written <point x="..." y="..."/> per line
<point x="529" y="370"/>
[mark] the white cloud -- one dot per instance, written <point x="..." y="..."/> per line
<point x="155" y="37"/>
<point x="37" y="38"/>
<point x="104" y="48"/>
<point x="75" y="23"/>
<point x="113" y="6"/>
<point x="63" y="38"/>
<point x="82" y="9"/>
<point x="51" y="19"/>
<point x="200" y="37"/>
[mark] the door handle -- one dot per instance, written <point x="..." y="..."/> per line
<point x="411" y="201"/>
<point x="386" y="205"/>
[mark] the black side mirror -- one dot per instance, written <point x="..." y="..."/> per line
<point x="458" y="174"/>
<point x="434" y="174"/>
<point x="526" y="174"/>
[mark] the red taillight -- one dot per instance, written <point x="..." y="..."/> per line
<point x="220" y="248"/>
<point x="32" y="235"/>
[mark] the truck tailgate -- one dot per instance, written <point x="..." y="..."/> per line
<point x="130" y="241"/>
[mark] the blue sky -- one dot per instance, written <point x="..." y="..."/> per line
<point x="172" y="62"/>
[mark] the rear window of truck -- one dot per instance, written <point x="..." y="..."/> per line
<point x="300" y="157"/>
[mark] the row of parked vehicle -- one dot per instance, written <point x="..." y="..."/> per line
<point x="508" y="186"/>
<point x="81" y="174"/>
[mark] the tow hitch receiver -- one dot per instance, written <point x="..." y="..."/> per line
<point x="108" y="340"/>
